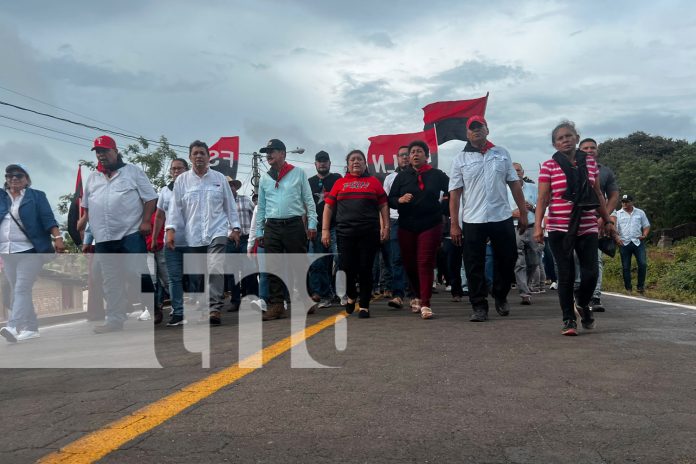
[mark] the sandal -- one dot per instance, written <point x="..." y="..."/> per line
<point x="415" y="305"/>
<point x="363" y="313"/>
<point x="426" y="313"/>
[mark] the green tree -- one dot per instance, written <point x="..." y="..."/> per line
<point x="658" y="172"/>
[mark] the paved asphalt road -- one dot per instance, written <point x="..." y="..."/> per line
<point x="512" y="390"/>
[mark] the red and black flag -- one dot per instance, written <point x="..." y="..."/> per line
<point x="75" y="211"/>
<point x="224" y="156"/>
<point x="383" y="152"/>
<point x="449" y="117"/>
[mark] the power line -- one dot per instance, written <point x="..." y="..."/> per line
<point x="44" y="135"/>
<point x="46" y="128"/>
<point x="108" y="131"/>
<point x="63" y="109"/>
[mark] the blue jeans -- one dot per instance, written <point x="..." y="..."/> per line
<point x="264" y="287"/>
<point x="118" y="273"/>
<point x="21" y="270"/>
<point x="398" y="276"/>
<point x="175" y="267"/>
<point x="320" y="270"/>
<point x="641" y="259"/>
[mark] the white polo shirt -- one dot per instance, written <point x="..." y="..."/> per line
<point x="115" y="204"/>
<point x="483" y="179"/>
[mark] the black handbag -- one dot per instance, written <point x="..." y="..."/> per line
<point x="607" y="245"/>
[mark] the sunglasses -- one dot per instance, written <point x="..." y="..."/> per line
<point x="15" y="175"/>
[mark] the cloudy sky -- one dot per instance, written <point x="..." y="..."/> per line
<point x="324" y="74"/>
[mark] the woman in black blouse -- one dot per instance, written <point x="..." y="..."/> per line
<point x="416" y="195"/>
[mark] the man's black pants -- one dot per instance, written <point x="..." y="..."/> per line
<point x="474" y="238"/>
<point x="284" y="236"/>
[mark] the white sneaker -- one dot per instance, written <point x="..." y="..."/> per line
<point x="145" y="316"/>
<point x="448" y="288"/>
<point x="259" y="305"/>
<point x="344" y="300"/>
<point x="27" y="335"/>
<point x="554" y="286"/>
<point x="324" y="303"/>
<point x="10" y="334"/>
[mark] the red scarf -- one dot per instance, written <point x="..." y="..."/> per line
<point x="420" y="171"/>
<point x="486" y="147"/>
<point x="287" y="167"/>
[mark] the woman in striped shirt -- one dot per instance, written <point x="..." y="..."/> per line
<point x="569" y="186"/>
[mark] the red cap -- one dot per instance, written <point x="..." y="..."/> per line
<point x="477" y="118"/>
<point x="104" y="141"/>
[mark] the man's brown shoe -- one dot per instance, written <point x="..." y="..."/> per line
<point x="274" y="311"/>
<point x="215" y="318"/>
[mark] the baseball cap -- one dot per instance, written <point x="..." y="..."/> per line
<point x="104" y="141"/>
<point x="16" y="167"/>
<point x="477" y="118"/>
<point x="322" y="156"/>
<point x="273" y="144"/>
<point x="627" y="198"/>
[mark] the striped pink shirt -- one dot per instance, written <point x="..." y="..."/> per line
<point x="559" y="209"/>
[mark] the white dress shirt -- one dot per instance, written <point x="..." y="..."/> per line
<point x="630" y="225"/>
<point x="163" y="202"/>
<point x="12" y="239"/>
<point x="204" y="205"/>
<point x="483" y="179"/>
<point x="115" y="204"/>
<point x="388" y="181"/>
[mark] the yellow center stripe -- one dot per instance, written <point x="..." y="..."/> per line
<point x="99" y="443"/>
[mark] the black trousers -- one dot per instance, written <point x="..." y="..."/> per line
<point x="454" y="266"/>
<point x="586" y="250"/>
<point x="357" y="257"/>
<point x="284" y="236"/>
<point x="502" y="237"/>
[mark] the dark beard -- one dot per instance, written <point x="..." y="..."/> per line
<point x="324" y="172"/>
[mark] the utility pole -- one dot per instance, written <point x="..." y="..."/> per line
<point x="255" y="173"/>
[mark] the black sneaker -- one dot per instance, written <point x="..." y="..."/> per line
<point x="479" y="316"/>
<point x="569" y="328"/>
<point x="176" y="321"/>
<point x="502" y="307"/>
<point x="596" y="305"/>
<point x="585" y="316"/>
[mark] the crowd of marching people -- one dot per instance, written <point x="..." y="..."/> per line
<point x="480" y="229"/>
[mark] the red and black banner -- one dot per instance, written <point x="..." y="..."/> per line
<point x="383" y="152"/>
<point x="224" y="156"/>
<point x="75" y="211"/>
<point x="448" y="118"/>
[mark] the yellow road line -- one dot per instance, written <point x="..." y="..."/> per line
<point x="99" y="443"/>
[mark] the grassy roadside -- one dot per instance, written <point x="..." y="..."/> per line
<point x="671" y="273"/>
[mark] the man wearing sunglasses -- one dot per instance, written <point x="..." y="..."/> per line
<point x="320" y="272"/>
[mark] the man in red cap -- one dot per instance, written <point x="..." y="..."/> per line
<point x="119" y="201"/>
<point x="482" y="173"/>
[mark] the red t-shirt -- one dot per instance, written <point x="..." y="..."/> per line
<point x="160" y="236"/>
<point x="357" y="200"/>
<point x="559" y="209"/>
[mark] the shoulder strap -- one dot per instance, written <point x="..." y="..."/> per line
<point x="18" y="224"/>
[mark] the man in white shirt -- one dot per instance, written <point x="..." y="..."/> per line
<point x="119" y="201"/>
<point x="202" y="202"/>
<point x="482" y="173"/>
<point x="632" y="227"/>
<point x="527" y="248"/>
<point x="398" y="277"/>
